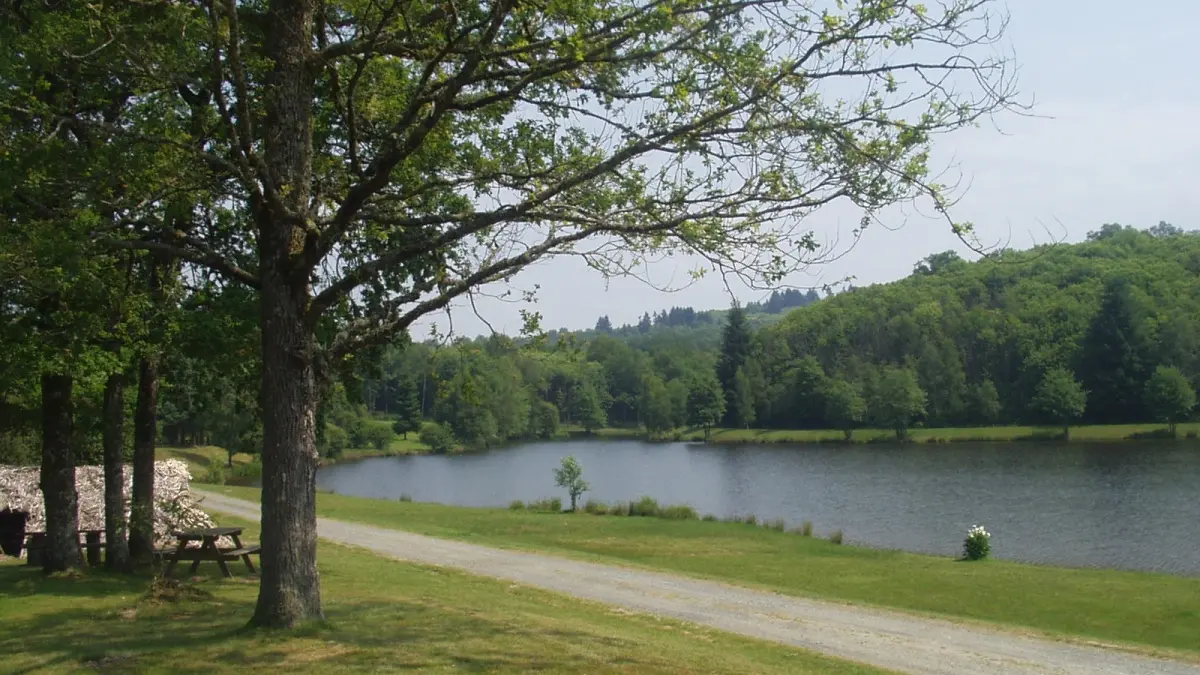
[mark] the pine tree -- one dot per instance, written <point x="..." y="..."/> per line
<point x="743" y="399"/>
<point x="735" y="349"/>
<point x="1116" y="357"/>
<point x="408" y="401"/>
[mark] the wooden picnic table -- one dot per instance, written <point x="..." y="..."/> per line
<point x="208" y="549"/>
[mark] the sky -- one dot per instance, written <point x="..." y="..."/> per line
<point x="1113" y="138"/>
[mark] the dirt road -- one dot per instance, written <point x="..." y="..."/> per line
<point x="891" y="640"/>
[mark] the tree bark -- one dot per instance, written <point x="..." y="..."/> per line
<point x="116" y="543"/>
<point x="145" y="420"/>
<point x="289" y="593"/>
<point x="58" y="475"/>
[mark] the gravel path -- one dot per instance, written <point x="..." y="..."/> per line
<point x="884" y="639"/>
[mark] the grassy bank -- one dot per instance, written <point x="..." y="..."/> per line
<point x="382" y="615"/>
<point x="1137" y="608"/>
<point x="1094" y="433"/>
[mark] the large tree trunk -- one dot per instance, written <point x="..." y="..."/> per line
<point x="145" y="420"/>
<point x="116" y="544"/>
<point x="290" y="591"/>
<point x="58" y="475"/>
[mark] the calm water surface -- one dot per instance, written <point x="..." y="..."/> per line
<point x="1134" y="506"/>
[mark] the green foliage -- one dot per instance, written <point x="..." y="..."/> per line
<point x="836" y="537"/>
<point x="569" y="476"/>
<point x="552" y="505"/>
<point x="679" y="512"/>
<point x="743" y="399"/>
<point x="656" y="408"/>
<point x="408" y="407"/>
<point x="438" y="437"/>
<point x="335" y="442"/>
<point x="706" y="401"/>
<point x="985" y="403"/>
<point x="378" y="435"/>
<point x="845" y="407"/>
<point x="646" y="507"/>
<point x="978" y="544"/>
<point x="543" y="422"/>
<point x="1116" y="355"/>
<point x="516" y="505"/>
<point x="1060" y="397"/>
<point x="897" y="399"/>
<point x="595" y="508"/>
<point x="736" y="344"/>
<point x="214" y="474"/>
<point x="1169" y="396"/>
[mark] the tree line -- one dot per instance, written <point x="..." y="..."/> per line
<point x="1104" y="332"/>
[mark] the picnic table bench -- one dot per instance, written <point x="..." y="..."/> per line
<point x="208" y="549"/>
<point x="36" y="541"/>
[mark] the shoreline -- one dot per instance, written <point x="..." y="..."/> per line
<point x="1115" y="433"/>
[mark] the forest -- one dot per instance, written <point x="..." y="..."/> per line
<point x="1105" y="331"/>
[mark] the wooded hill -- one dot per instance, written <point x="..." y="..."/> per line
<point x="1048" y="335"/>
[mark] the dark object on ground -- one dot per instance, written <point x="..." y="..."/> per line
<point x="12" y="531"/>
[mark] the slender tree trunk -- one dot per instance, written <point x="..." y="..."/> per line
<point x="290" y="592"/>
<point x="145" y="420"/>
<point x="58" y="475"/>
<point x="116" y="544"/>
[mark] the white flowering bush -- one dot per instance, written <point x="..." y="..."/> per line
<point x="978" y="543"/>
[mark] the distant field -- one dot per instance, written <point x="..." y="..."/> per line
<point x="1139" y="608"/>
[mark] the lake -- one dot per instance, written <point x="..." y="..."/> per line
<point x="1130" y="505"/>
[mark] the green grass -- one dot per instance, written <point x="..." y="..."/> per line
<point x="383" y="616"/>
<point x="200" y="457"/>
<point x="1136" y="608"/>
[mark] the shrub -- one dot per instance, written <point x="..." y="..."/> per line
<point x="552" y="505"/>
<point x="438" y="437"/>
<point x="516" y="505"/>
<point x="750" y="519"/>
<point x="806" y="528"/>
<point x="378" y="435"/>
<point x="680" y="512"/>
<point x="978" y="544"/>
<point x="595" y="508"/>
<point x="709" y="518"/>
<point x="215" y="473"/>
<point x="248" y="470"/>
<point x="778" y="525"/>
<point x="1192" y="435"/>
<point x="835" y="537"/>
<point x="356" y="431"/>
<point x="646" y="506"/>
<point x="405" y="497"/>
<point x="336" y="441"/>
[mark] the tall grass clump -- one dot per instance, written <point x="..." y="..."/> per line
<point x="405" y="497"/>
<point x="595" y="508"/>
<point x="516" y="505"/>
<point x="621" y="509"/>
<point x="836" y="537"/>
<point x="553" y="505"/>
<point x="646" y="506"/>
<point x="778" y="525"/>
<point x="750" y="519"/>
<point x="710" y="518"/>
<point x="680" y="512"/>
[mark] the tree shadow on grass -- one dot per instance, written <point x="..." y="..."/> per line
<point x="107" y="623"/>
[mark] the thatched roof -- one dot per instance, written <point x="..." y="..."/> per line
<point x="173" y="505"/>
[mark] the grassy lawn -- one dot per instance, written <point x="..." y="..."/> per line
<point x="1137" y="608"/>
<point x="383" y="616"/>
<point x="200" y="457"/>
